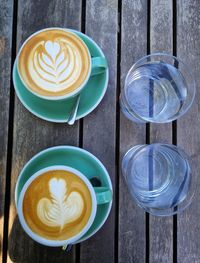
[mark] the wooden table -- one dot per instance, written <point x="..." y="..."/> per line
<point x="125" y="30"/>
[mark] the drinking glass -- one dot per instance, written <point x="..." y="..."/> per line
<point x="158" y="88"/>
<point x="159" y="178"/>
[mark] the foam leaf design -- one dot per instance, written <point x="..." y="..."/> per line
<point x="60" y="209"/>
<point x="56" y="62"/>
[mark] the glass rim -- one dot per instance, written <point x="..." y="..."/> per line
<point x="172" y="210"/>
<point x="191" y="87"/>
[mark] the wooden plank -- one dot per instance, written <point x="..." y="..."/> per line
<point x="6" y="13"/>
<point x="99" y="127"/>
<point x="132" y="237"/>
<point x="188" y="43"/>
<point x="32" y="134"/>
<point x="161" y="39"/>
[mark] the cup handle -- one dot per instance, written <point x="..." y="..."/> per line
<point x="103" y="195"/>
<point x="99" y="65"/>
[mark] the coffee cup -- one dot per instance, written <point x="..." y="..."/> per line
<point x="57" y="205"/>
<point x="55" y="64"/>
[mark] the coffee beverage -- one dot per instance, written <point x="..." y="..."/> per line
<point x="54" y="63"/>
<point x="57" y="205"/>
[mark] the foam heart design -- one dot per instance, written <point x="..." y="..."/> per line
<point x="62" y="208"/>
<point x="52" y="48"/>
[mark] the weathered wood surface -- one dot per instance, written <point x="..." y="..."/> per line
<point x="6" y="16"/>
<point x="188" y="43"/>
<point x="161" y="39"/>
<point x="106" y="132"/>
<point x="132" y="237"/>
<point x="99" y="128"/>
<point x="32" y="134"/>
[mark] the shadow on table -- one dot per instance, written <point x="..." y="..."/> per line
<point x="21" y="249"/>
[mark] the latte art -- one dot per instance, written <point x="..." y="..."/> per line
<point x="61" y="209"/>
<point x="54" y="62"/>
<point x="56" y="65"/>
<point x="57" y="205"/>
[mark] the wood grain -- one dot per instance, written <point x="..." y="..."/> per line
<point x="132" y="238"/>
<point x="99" y="127"/>
<point x="188" y="43"/>
<point x="31" y="134"/>
<point x="6" y="13"/>
<point x="161" y="39"/>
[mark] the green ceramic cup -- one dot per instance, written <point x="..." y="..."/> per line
<point x="97" y="66"/>
<point x="99" y="196"/>
<point x="80" y="160"/>
<point x="59" y="111"/>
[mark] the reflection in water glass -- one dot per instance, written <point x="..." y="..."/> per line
<point x="159" y="178"/>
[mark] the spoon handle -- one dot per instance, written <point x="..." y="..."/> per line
<point x="67" y="248"/>
<point x="72" y="116"/>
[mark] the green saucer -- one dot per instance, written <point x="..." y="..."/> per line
<point x="58" y="111"/>
<point x="76" y="158"/>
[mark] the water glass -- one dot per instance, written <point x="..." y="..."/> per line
<point x="159" y="178"/>
<point x="158" y="88"/>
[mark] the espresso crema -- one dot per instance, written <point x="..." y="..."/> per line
<point x="54" y="62"/>
<point x="57" y="205"/>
